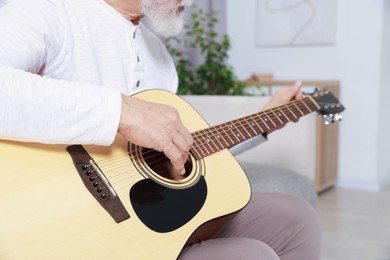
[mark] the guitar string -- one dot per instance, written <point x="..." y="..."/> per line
<point x="126" y="179"/>
<point x="125" y="175"/>
<point x="284" y="109"/>
<point x="277" y="114"/>
<point x="157" y="158"/>
<point x="155" y="165"/>
<point x="201" y="133"/>
<point x="121" y="158"/>
<point x="126" y="183"/>
<point x="156" y="161"/>
<point x="127" y="159"/>
<point x="126" y="156"/>
<point x="128" y="175"/>
<point x="297" y="106"/>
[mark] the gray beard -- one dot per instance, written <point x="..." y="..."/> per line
<point x="163" y="20"/>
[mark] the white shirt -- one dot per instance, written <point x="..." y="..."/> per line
<point x="68" y="61"/>
<point x="87" y="53"/>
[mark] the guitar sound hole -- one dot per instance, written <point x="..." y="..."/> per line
<point x="161" y="165"/>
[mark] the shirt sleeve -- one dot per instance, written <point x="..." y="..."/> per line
<point x="40" y="109"/>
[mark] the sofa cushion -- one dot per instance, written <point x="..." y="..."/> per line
<point x="274" y="179"/>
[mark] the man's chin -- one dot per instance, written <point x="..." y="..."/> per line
<point x="169" y="33"/>
<point x="167" y="29"/>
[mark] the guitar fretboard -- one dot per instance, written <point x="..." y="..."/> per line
<point x="211" y="140"/>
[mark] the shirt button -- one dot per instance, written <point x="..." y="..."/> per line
<point x="138" y="58"/>
<point x="138" y="83"/>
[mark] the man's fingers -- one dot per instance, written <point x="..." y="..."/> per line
<point x="285" y="95"/>
<point x="188" y="140"/>
<point x="296" y="88"/>
<point x="176" y="143"/>
<point x="175" y="156"/>
<point x="158" y="127"/>
<point x="297" y="85"/>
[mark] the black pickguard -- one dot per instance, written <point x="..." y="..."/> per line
<point x="163" y="209"/>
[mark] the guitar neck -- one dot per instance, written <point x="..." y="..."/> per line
<point x="213" y="139"/>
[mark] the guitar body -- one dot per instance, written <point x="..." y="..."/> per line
<point x="48" y="213"/>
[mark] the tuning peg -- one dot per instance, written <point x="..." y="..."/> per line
<point x="332" y="118"/>
<point x="311" y="92"/>
<point x="338" y="117"/>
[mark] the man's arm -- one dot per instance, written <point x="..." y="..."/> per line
<point x="39" y="109"/>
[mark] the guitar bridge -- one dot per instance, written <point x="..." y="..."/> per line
<point x="96" y="183"/>
<point x="102" y="178"/>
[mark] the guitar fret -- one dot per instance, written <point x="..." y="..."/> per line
<point x="226" y="135"/>
<point x="271" y="121"/>
<point x="250" y="125"/>
<point x="264" y="123"/>
<point x="233" y="133"/>
<point x="214" y="139"/>
<point x="298" y="109"/>
<point x="256" y="123"/>
<point x="195" y="147"/>
<point x="218" y="144"/>
<point x="313" y="105"/>
<point x="303" y="107"/>
<point x="221" y="137"/>
<point x="285" y="116"/>
<point x="208" y="140"/>
<point x="288" y="107"/>
<point x="304" y="103"/>
<point x="199" y="141"/>
<point x="265" y="119"/>
<point x="277" y="117"/>
<point x="197" y="155"/>
<point x="245" y="129"/>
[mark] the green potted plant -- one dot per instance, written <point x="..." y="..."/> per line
<point x="213" y="76"/>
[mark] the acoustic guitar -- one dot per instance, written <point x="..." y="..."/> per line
<point x="120" y="202"/>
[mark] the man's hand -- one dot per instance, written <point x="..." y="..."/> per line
<point x="156" y="126"/>
<point x="285" y="95"/>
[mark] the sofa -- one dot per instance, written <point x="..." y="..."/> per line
<point x="268" y="178"/>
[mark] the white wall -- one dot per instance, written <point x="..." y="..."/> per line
<point x="355" y="60"/>
<point x="384" y="117"/>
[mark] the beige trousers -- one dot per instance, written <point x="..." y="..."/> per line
<point x="272" y="226"/>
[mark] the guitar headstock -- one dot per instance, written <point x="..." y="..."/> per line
<point x="330" y="106"/>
